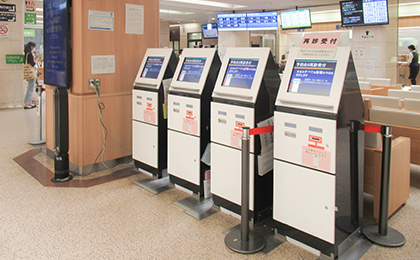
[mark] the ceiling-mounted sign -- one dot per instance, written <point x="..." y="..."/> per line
<point x="7" y="17"/>
<point x="30" y="6"/>
<point x="30" y="18"/>
<point x="7" y="8"/>
<point x="4" y="31"/>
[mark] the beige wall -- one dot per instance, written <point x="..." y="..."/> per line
<point x="380" y="47"/>
<point x="11" y="83"/>
<point x="164" y="35"/>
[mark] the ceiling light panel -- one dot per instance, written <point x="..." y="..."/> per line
<point x="209" y="3"/>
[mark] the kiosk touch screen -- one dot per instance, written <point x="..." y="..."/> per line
<point x="312" y="77"/>
<point x="191" y="70"/>
<point x="152" y="68"/>
<point x="240" y="73"/>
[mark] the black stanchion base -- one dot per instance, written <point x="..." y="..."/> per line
<point x="392" y="239"/>
<point x="60" y="180"/>
<point x="255" y="244"/>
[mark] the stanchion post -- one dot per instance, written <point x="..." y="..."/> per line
<point x="242" y="240"/>
<point x="245" y="185"/>
<point x="382" y="234"/>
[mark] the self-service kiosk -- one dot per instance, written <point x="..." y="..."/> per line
<point x="317" y="197"/>
<point x="149" y="115"/>
<point x="244" y="95"/>
<point x="189" y="117"/>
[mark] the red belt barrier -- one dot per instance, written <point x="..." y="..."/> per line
<point x="261" y="130"/>
<point x="370" y="128"/>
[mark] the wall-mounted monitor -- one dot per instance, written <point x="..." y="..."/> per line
<point x="57" y="39"/>
<point x="296" y="19"/>
<point x="152" y="67"/>
<point x="231" y="22"/>
<point x="262" y="21"/>
<point x="209" y="31"/>
<point x="312" y="77"/>
<point x="240" y="73"/>
<point x="364" y="12"/>
<point x="191" y="70"/>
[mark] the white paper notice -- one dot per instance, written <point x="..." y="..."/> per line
<point x="370" y="67"/>
<point x="99" y="20"/>
<point x="103" y="64"/>
<point x="374" y="52"/>
<point x="134" y="19"/>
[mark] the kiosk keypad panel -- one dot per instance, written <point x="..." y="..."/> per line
<point x="227" y="122"/>
<point x="310" y="141"/>
<point x="145" y="106"/>
<point x="184" y="114"/>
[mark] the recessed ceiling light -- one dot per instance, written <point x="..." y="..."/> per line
<point x="209" y="3"/>
<point x="174" y="12"/>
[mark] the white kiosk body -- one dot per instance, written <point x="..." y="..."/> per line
<point x="149" y="124"/>
<point x="244" y="95"/>
<point x="189" y="116"/>
<point x="313" y="191"/>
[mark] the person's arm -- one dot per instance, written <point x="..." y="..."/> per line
<point x="31" y="59"/>
<point x="410" y="58"/>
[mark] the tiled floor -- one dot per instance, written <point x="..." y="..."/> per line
<point x="119" y="220"/>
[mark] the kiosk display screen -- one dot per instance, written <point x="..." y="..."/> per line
<point x="240" y="73"/>
<point x="152" y="67"/>
<point x="191" y="70"/>
<point x="312" y="77"/>
<point x="364" y="12"/>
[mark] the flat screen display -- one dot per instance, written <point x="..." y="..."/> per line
<point x="191" y="70"/>
<point x="297" y="19"/>
<point x="262" y="21"/>
<point x="209" y="31"/>
<point x="364" y="12"/>
<point x="240" y="73"/>
<point x="57" y="52"/>
<point x="152" y="67"/>
<point x="312" y="77"/>
<point x="231" y="22"/>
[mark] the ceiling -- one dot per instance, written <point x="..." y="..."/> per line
<point x="204" y="11"/>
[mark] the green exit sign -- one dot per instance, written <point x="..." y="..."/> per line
<point x="14" y="58"/>
<point x="29" y="33"/>
<point x="30" y="18"/>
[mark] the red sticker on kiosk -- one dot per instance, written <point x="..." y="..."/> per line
<point x="239" y="125"/>
<point x="189" y="114"/>
<point x="190" y="126"/>
<point x="316" y="158"/>
<point x="149" y="106"/>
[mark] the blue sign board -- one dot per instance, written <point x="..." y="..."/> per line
<point x="57" y="58"/>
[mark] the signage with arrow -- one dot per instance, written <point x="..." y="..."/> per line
<point x="7" y="8"/>
<point x="6" y="17"/>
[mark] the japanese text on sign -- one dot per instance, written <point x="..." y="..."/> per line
<point x="320" y="40"/>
